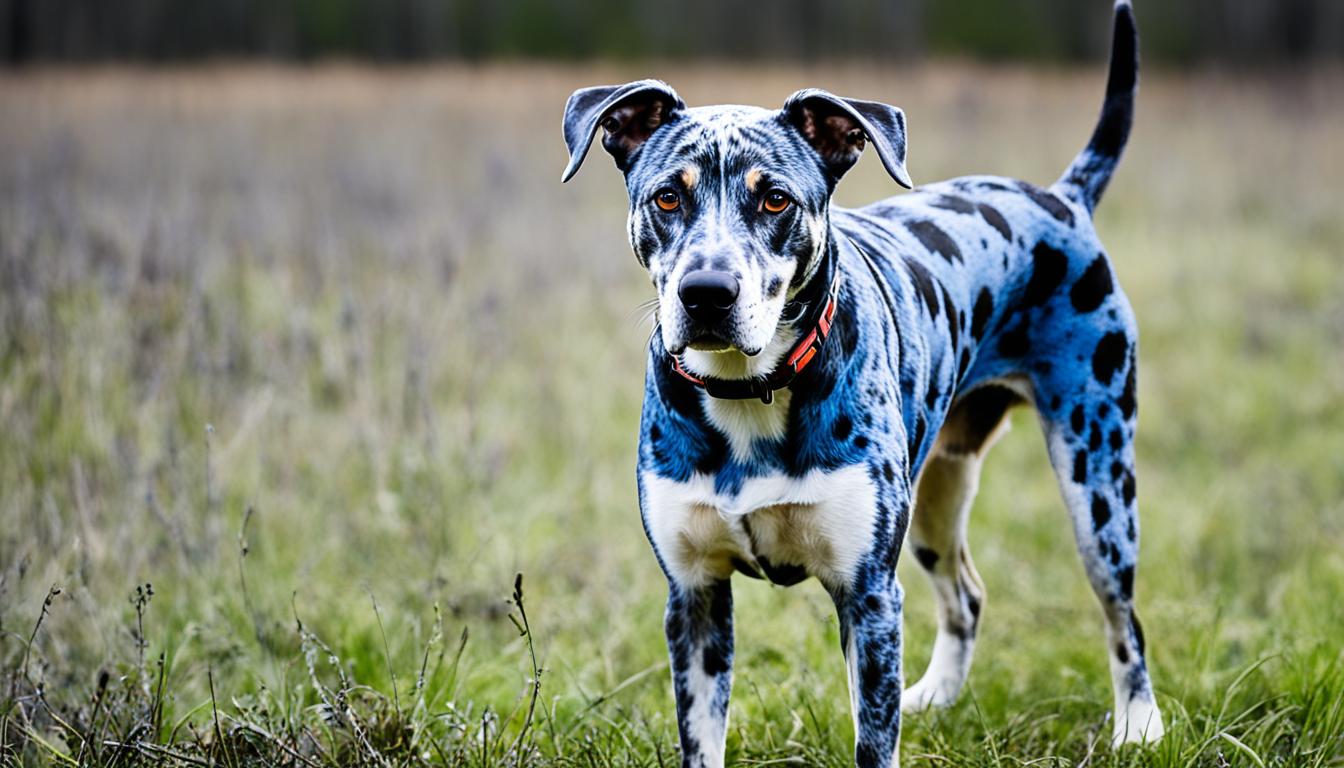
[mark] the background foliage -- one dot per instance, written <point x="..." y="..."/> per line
<point x="1239" y="33"/>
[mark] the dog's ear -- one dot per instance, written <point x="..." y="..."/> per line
<point x="838" y="128"/>
<point x="628" y="115"/>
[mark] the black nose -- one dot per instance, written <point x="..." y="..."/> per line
<point x="708" y="295"/>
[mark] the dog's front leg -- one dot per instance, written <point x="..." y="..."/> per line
<point x="699" y="627"/>
<point x="868" y="600"/>
<point x="870" y="633"/>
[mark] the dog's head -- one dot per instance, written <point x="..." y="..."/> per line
<point x="729" y="205"/>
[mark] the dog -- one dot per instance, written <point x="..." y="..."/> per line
<point x="823" y="382"/>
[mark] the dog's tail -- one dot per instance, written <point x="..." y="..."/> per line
<point x="1086" y="178"/>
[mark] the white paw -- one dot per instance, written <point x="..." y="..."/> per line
<point x="928" y="694"/>
<point x="1138" y="723"/>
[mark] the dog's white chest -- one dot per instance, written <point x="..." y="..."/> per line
<point x="821" y="521"/>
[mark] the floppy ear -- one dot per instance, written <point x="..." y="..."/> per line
<point x="628" y="114"/>
<point x="837" y="128"/>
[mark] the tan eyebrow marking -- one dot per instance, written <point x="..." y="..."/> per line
<point x="690" y="176"/>
<point x="753" y="178"/>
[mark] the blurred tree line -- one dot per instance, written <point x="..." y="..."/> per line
<point x="1231" y="32"/>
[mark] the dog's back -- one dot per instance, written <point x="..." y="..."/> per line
<point x="985" y="256"/>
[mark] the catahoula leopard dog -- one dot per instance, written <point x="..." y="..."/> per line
<point x="825" y="382"/>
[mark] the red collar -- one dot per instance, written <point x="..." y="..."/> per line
<point x="804" y="352"/>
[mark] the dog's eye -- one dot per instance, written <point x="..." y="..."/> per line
<point x="667" y="199"/>
<point x="775" y="201"/>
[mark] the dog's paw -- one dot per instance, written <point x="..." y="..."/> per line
<point x="929" y="694"/>
<point x="1139" y="722"/>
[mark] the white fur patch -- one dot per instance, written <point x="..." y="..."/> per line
<point x="703" y="724"/>
<point x="1137" y="718"/>
<point x="852" y="677"/>
<point x="822" y="521"/>
<point x="744" y="421"/>
<point x="732" y="364"/>
<point x="1137" y="721"/>
<point x="942" y="681"/>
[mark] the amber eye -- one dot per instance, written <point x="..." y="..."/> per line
<point x="667" y="199"/>
<point x="775" y="201"/>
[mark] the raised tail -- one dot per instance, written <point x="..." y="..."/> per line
<point x="1089" y="173"/>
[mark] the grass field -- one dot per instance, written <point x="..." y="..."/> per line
<point x="298" y="369"/>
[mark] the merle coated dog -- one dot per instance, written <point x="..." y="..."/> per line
<point x="825" y="381"/>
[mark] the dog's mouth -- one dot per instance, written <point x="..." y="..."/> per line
<point x="709" y="342"/>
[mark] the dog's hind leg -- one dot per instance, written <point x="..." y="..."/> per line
<point x="946" y="490"/>
<point x="1090" y="438"/>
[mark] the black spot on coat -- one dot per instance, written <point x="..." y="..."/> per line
<point x="1093" y="287"/>
<point x="1137" y="629"/>
<point x="842" y="426"/>
<point x="955" y="319"/>
<point x="1078" y="420"/>
<point x="953" y="203"/>
<point x="996" y="220"/>
<point x="926" y="557"/>
<point x="872" y="673"/>
<point x="926" y="285"/>
<point x="1014" y="343"/>
<point x="714" y="662"/>
<point x="1109" y="356"/>
<point x="1101" y="512"/>
<point x="1047" y="271"/>
<point x="1048" y="202"/>
<point x="1126" y="578"/>
<point x="1080" y="467"/>
<point x="980" y="313"/>
<point x="935" y="239"/>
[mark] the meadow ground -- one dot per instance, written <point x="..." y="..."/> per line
<point x="322" y="358"/>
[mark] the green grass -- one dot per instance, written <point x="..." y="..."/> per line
<point x="328" y="356"/>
